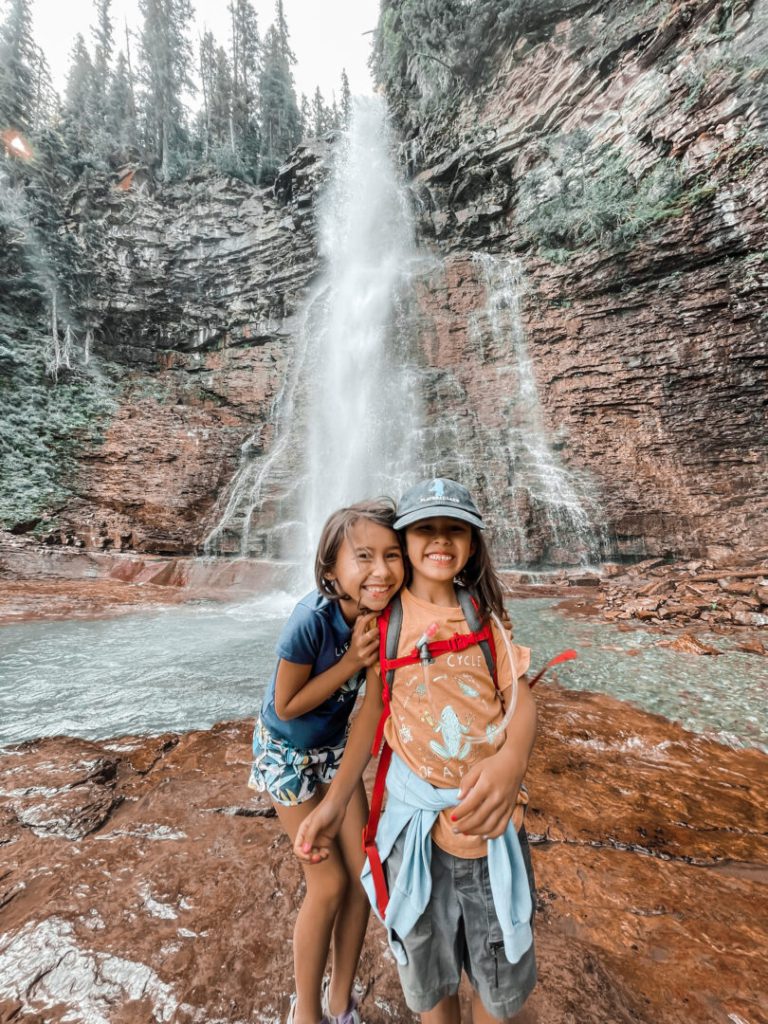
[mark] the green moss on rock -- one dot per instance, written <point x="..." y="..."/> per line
<point x="44" y="425"/>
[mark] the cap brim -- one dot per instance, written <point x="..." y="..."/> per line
<point x="433" y="511"/>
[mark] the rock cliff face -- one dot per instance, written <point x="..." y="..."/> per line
<point x="198" y="305"/>
<point x="644" y="306"/>
<point x="591" y="337"/>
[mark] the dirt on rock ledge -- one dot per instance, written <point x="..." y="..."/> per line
<point x="141" y="881"/>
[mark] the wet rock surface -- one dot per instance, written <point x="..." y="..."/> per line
<point x="718" y="595"/>
<point x="141" y="881"/>
<point x="62" y="583"/>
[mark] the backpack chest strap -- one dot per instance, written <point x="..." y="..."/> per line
<point x="455" y="643"/>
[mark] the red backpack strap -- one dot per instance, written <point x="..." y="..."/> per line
<point x="371" y="828"/>
<point x="390" y="623"/>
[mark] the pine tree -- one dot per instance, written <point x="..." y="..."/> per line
<point x="345" y="111"/>
<point x="319" y="114"/>
<point x="335" y="115"/>
<point x="305" y="112"/>
<point x="207" y="71"/>
<point x="280" y="117"/>
<point x="221" y="102"/>
<point x="165" y="56"/>
<point x="103" y="39"/>
<point x="246" y="67"/>
<point x="120" y="112"/>
<point x="78" y="122"/>
<point x="281" y="25"/>
<point x="45" y="101"/>
<point x="17" y="63"/>
<point x="57" y="260"/>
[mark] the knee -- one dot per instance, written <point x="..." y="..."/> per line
<point x="331" y="887"/>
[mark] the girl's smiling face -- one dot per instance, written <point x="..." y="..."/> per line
<point x="439" y="548"/>
<point x="369" y="568"/>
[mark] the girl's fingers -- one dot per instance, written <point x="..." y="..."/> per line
<point x="480" y="811"/>
<point x="474" y="798"/>
<point x="487" y="823"/>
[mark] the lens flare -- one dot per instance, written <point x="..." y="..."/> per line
<point x="16" y="145"/>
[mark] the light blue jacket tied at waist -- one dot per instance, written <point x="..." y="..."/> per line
<point x="413" y="804"/>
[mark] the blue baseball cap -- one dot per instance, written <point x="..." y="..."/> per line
<point x="439" y="497"/>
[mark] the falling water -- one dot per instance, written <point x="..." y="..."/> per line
<point x="364" y="406"/>
<point x="557" y="518"/>
<point x="349" y="420"/>
<point x="348" y="410"/>
<point x="267" y="473"/>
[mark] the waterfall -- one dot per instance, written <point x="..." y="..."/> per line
<point x="360" y="412"/>
<point x="556" y="516"/>
<point x="364" y="407"/>
<point x="348" y="406"/>
<point x="267" y="476"/>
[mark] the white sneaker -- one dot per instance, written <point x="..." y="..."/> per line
<point x="292" y="1010"/>
<point x="350" y="1015"/>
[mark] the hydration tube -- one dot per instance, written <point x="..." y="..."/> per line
<point x="512" y="705"/>
<point x="422" y="646"/>
<point x="426" y="660"/>
<point x="497" y="730"/>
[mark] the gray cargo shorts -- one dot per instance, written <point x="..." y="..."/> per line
<point x="460" y="930"/>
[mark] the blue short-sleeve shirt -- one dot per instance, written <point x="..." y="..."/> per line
<point x="316" y="634"/>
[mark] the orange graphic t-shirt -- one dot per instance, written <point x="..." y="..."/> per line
<point x="445" y="717"/>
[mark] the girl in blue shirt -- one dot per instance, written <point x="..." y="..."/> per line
<point x="325" y="647"/>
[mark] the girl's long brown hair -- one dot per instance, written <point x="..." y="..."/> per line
<point x="480" y="574"/>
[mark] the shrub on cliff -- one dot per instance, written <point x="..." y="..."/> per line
<point x="581" y="195"/>
<point x="424" y="50"/>
<point x="43" y="424"/>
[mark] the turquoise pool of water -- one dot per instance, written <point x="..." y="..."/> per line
<point x="189" y="666"/>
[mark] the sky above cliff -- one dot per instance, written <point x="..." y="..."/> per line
<point x="326" y="35"/>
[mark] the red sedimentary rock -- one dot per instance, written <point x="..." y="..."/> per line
<point x="142" y="881"/>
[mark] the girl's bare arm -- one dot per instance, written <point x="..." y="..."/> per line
<point x="489" y="789"/>
<point x="320" y="827"/>
<point x="296" y="692"/>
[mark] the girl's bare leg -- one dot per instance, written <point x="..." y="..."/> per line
<point x="480" y="1015"/>
<point x="327" y="884"/>
<point x="447" y="1011"/>
<point x="352" y="919"/>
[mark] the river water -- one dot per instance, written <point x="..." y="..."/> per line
<point x="191" y="666"/>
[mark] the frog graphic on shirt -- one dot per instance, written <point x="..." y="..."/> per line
<point x="453" y="732"/>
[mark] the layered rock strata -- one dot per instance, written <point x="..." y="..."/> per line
<point x="716" y="596"/>
<point x="139" y="874"/>
<point x="644" y="311"/>
<point x="612" y="162"/>
<point x="206" y="280"/>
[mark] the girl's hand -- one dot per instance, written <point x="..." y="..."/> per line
<point x="317" y="832"/>
<point x="364" y="643"/>
<point x="488" y="796"/>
